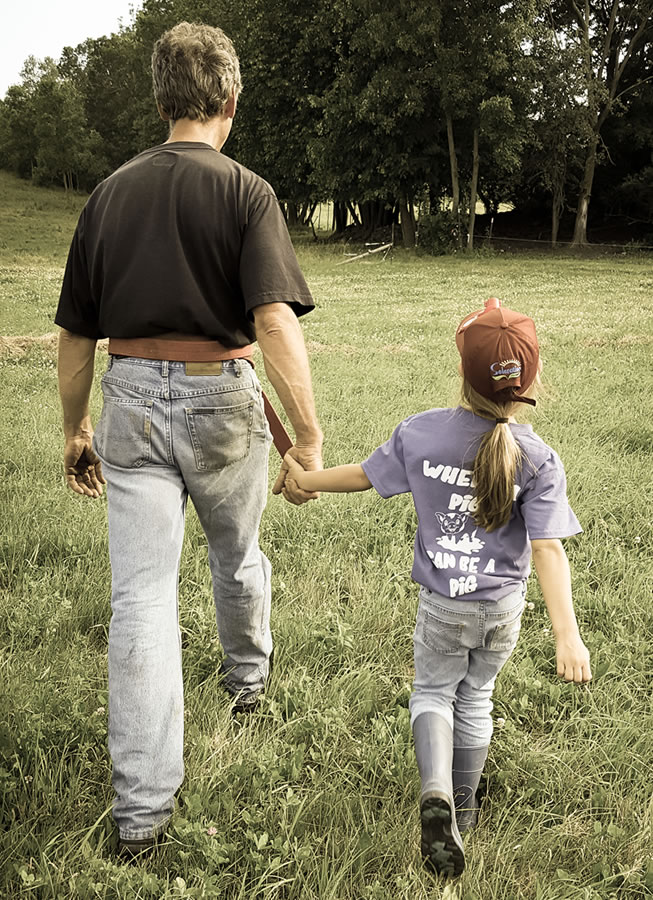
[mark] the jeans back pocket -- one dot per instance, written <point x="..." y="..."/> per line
<point x="504" y="635"/>
<point x="439" y="636"/>
<point x="220" y="435"/>
<point x="122" y="436"/>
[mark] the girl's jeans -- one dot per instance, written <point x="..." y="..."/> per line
<point x="163" y="436"/>
<point x="460" y="646"/>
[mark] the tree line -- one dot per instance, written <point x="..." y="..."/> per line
<point x="380" y="108"/>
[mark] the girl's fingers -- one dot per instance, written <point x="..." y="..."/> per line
<point x="578" y="672"/>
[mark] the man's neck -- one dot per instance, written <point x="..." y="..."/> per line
<point x="213" y="132"/>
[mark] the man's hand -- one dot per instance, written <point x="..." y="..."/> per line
<point x="573" y="659"/>
<point x="310" y="458"/>
<point x="82" y="466"/>
<point x="286" y="364"/>
<point x="75" y="370"/>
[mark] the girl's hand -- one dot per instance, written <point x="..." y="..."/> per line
<point x="573" y="659"/>
<point x="295" y="469"/>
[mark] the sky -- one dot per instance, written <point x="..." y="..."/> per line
<point x="44" y="27"/>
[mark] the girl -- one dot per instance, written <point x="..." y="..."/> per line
<point x="489" y="493"/>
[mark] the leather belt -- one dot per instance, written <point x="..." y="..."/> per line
<point x="197" y="352"/>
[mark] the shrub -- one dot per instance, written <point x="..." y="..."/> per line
<point x="438" y="233"/>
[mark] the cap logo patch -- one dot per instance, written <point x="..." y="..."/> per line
<point x="507" y="368"/>
<point x="468" y="322"/>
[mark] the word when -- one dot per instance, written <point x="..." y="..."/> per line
<point x="448" y="474"/>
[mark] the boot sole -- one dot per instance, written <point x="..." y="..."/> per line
<point x="440" y="850"/>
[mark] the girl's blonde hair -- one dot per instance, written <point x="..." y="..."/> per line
<point x="498" y="459"/>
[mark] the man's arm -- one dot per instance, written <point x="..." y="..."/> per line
<point x="552" y="567"/>
<point x="286" y="364"/>
<point x="82" y="467"/>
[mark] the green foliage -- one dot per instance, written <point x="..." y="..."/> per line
<point x="348" y="100"/>
<point x="635" y="193"/>
<point x="439" y="233"/>
<point x="376" y="136"/>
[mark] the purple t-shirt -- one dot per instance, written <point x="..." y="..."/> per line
<point x="431" y="455"/>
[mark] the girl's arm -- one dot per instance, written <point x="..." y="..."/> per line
<point x="338" y="479"/>
<point x="552" y="569"/>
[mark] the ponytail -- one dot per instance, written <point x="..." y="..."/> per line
<point x="498" y="459"/>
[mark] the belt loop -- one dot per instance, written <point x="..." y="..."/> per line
<point x="239" y="367"/>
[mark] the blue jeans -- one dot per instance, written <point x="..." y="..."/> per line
<point x="460" y="647"/>
<point x="163" y="436"/>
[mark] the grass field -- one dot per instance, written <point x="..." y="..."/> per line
<point x="315" y="798"/>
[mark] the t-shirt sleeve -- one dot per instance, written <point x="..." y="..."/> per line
<point x="544" y="505"/>
<point x="269" y="271"/>
<point x="77" y="311"/>
<point x="386" y="467"/>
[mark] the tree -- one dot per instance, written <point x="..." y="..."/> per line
<point x="45" y="133"/>
<point x="606" y="36"/>
<point x="558" y="125"/>
<point x="375" y="140"/>
<point x="116" y="88"/>
<point x="67" y="150"/>
<point x="483" y="81"/>
<point x="18" y="115"/>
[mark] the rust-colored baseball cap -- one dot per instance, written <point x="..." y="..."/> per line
<point x="499" y="352"/>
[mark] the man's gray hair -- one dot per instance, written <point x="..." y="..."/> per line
<point x="195" y="71"/>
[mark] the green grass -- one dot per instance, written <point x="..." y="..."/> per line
<point x="316" y="796"/>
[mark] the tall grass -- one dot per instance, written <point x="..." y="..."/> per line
<point x="315" y="796"/>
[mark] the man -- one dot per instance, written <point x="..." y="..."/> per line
<point x="182" y="259"/>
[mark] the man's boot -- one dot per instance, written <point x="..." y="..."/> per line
<point x="468" y="765"/>
<point x="442" y="846"/>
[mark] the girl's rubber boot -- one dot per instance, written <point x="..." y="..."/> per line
<point x="468" y="763"/>
<point x="442" y="846"/>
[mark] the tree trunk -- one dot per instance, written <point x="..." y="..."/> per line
<point x="555" y="222"/>
<point x="580" y="226"/>
<point x="352" y="213"/>
<point x="306" y="211"/>
<point x="455" y="183"/>
<point x="557" y="205"/>
<point x="407" y="222"/>
<point x="292" y="214"/>
<point x="382" y="217"/>
<point x="434" y="200"/>
<point x="472" y="193"/>
<point x="339" y="216"/>
<point x="308" y="217"/>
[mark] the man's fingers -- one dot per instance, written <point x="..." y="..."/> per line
<point x="291" y="497"/>
<point x="97" y="479"/>
<point x="84" y="483"/>
<point x="71" y="481"/>
<point x="294" y="494"/>
<point x="99" y="473"/>
<point x="281" y="479"/>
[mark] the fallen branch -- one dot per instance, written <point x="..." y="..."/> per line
<point x="365" y="253"/>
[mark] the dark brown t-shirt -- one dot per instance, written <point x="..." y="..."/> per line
<point x="184" y="239"/>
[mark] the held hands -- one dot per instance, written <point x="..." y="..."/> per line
<point x="296" y="460"/>
<point x="573" y="659"/>
<point x="82" y="466"/>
